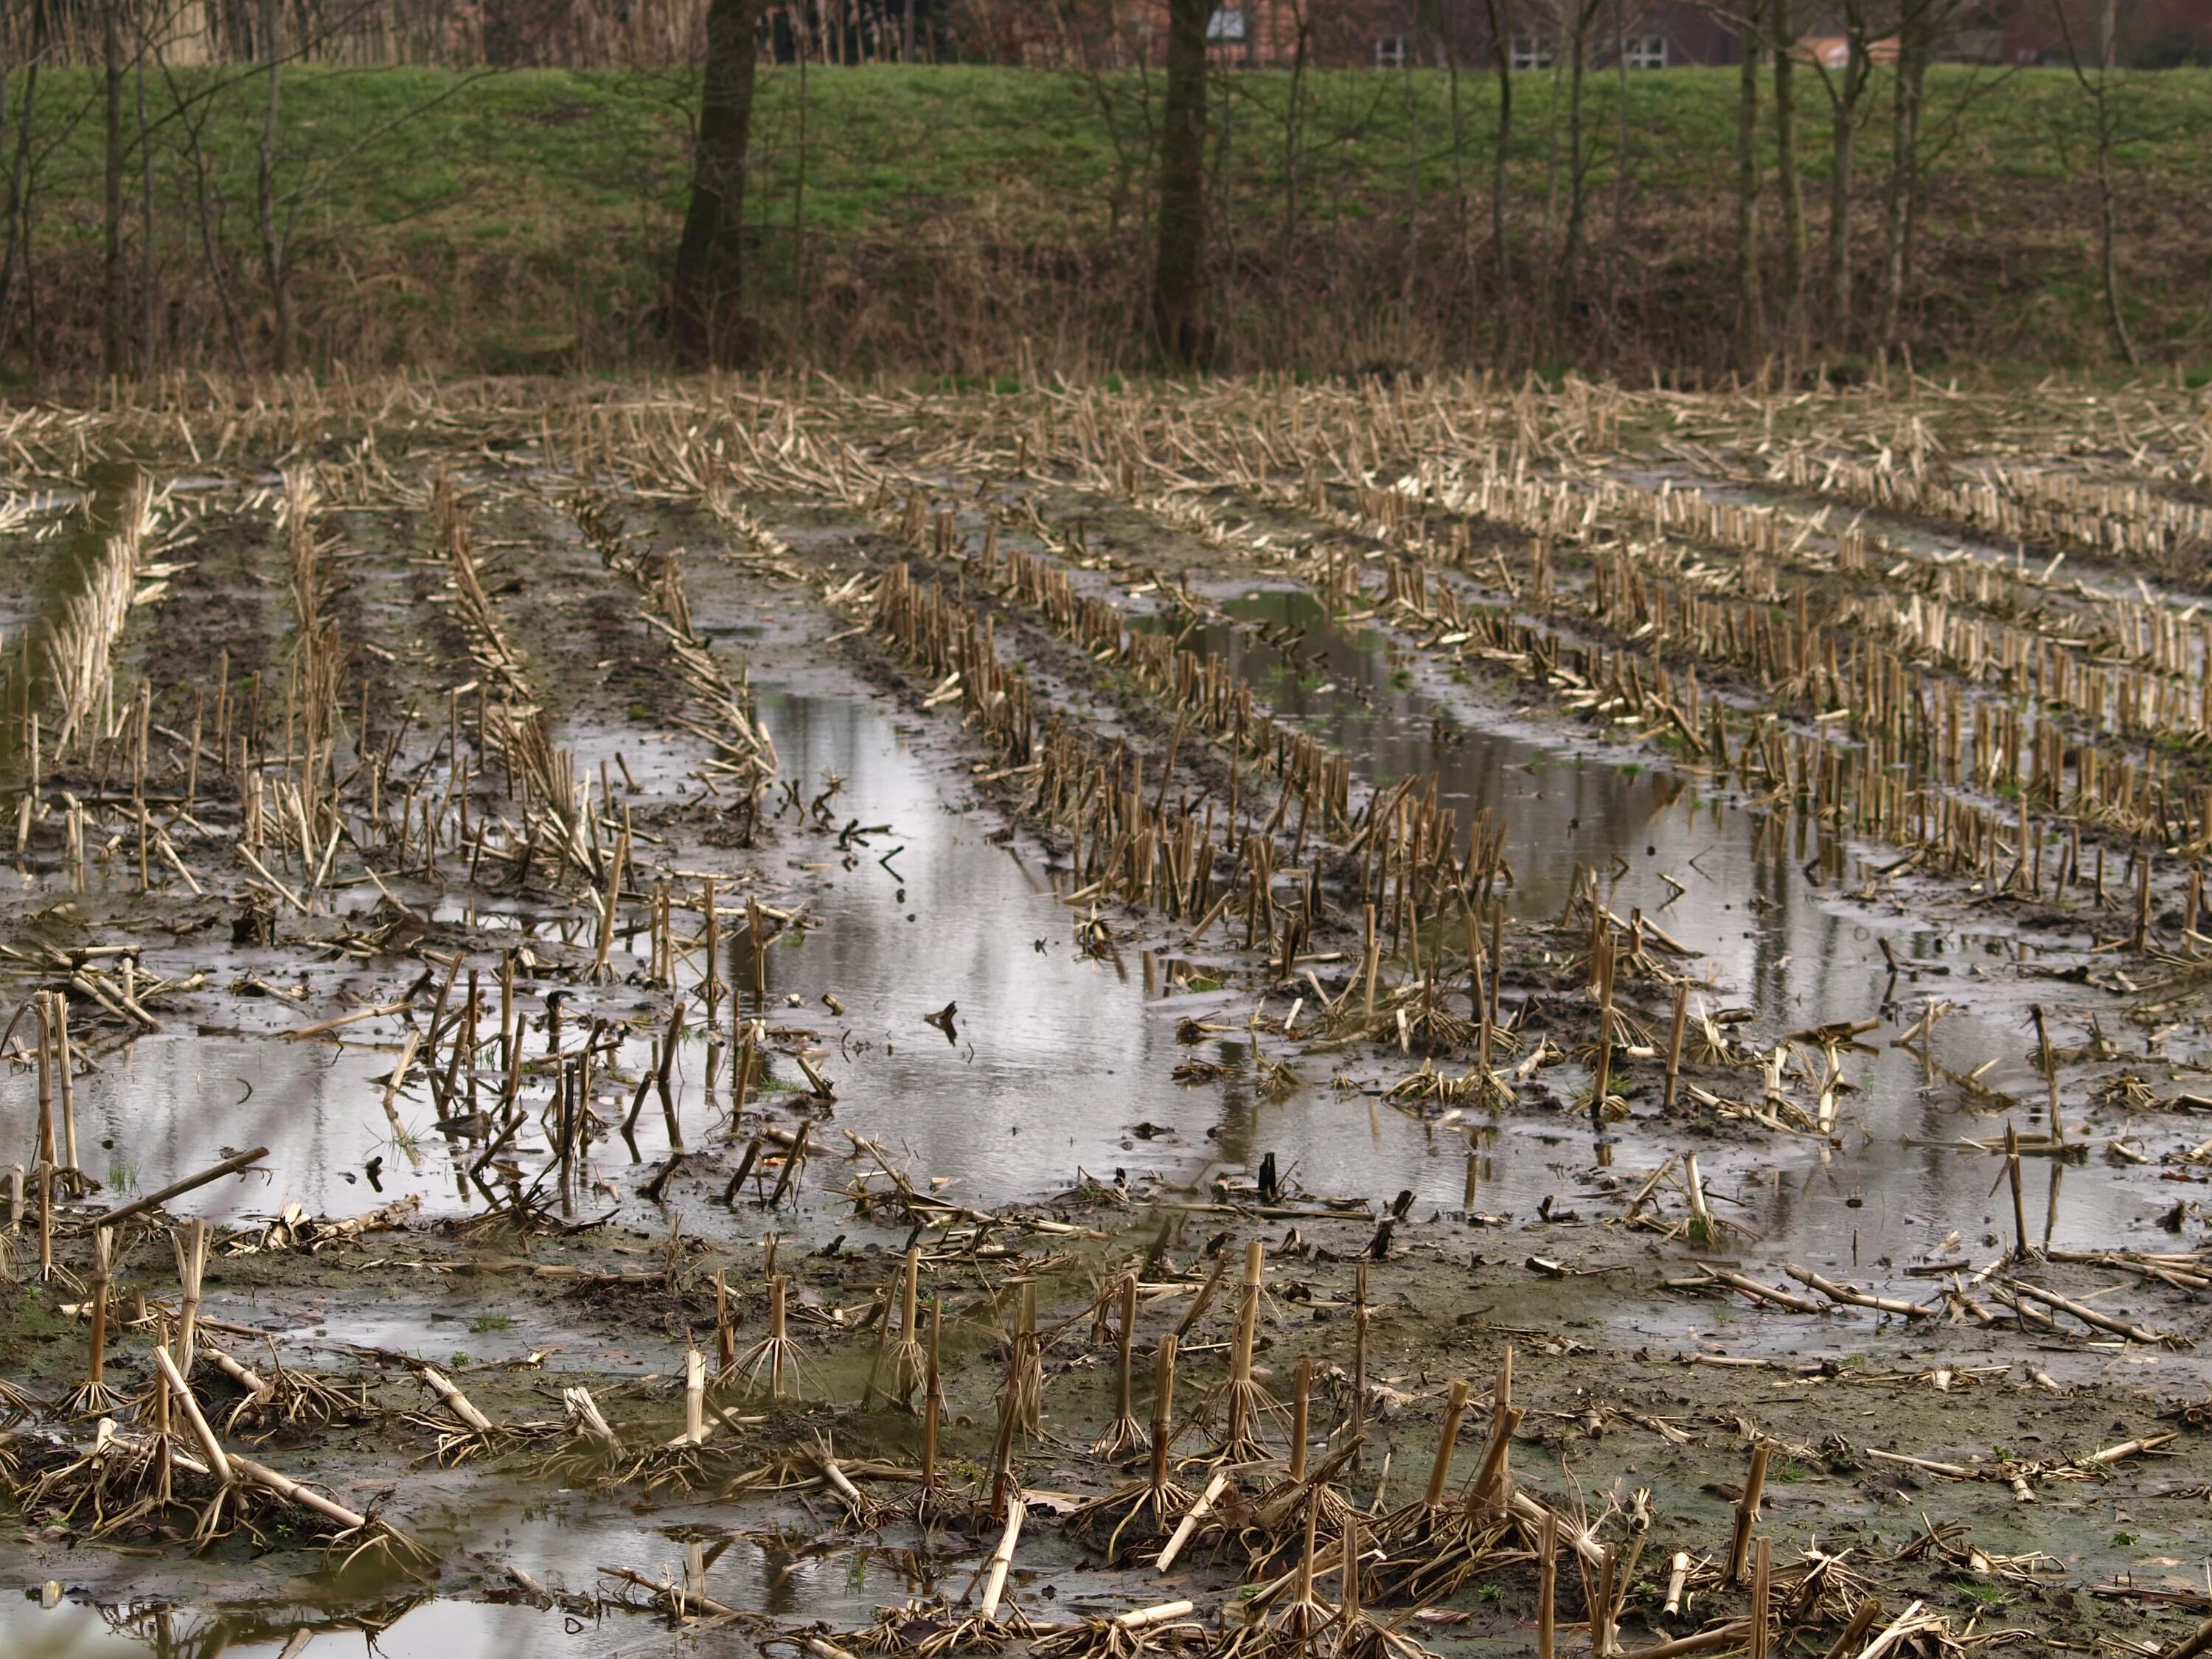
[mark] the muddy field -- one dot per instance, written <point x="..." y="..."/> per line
<point x="1250" y="1022"/>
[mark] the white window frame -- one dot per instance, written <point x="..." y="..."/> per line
<point x="1531" y="52"/>
<point x="1646" y="51"/>
<point x="1390" y="51"/>
<point x="1226" y="26"/>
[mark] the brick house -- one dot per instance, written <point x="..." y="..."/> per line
<point x="2151" y="33"/>
<point x="1389" y="34"/>
<point x="1647" y="34"/>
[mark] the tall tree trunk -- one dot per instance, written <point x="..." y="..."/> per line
<point x="1837" y="283"/>
<point x="149" y="299"/>
<point x="1293" y="127"/>
<point x="1566" y="288"/>
<point x="1179" y="323"/>
<point x="1750" y="296"/>
<point x="1904" y="181"/>
<point x="274" y="262"/>
<point x="22" y="184"/>
<point x="799" y="191"/>
<point x="708" y="312"/>
<point x="7" y="220"/>
<point x="1409" y="266"/>
<point x="1620" y="160"/>
<point x="1844" y="108"/>
<point x="2101" y="96"/>
<point x="1785" y="169"/>
<point x="114" y="322"/>
<point x="1501" y="52"/>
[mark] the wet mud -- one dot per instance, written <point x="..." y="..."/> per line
<point x="677" y="901"/>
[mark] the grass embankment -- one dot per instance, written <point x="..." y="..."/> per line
<point x="971" y="220"/>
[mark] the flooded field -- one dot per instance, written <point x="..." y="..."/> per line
<point x="1242" y="1023"/>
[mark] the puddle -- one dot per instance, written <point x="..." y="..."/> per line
<point x="1058" y="1057"/>
<point x="427" y="1630"/>
<point x="561" y="1540"/>
<point x="1060" y="1062"/>
<point x="1795" y="954"/>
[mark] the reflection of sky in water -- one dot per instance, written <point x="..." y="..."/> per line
<point x="562" y="1551"/>
<point x="1059" y="1056"/>
<point x="1066" y="1049"/>
<point x="1798" y="956"/>
<point x="561" y="1539"/>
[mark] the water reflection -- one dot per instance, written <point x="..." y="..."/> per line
<point x="1743" y="887"/>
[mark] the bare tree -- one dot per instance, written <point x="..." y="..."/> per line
<point x="273" y="263"/>
<point x="1785" y="170"/>
<point x="1620" y="165"/>
<point x="114" y="328"/>
<point x="1293" y="123"/>
<point x="1501" y="156"/>
<point x="1750" y="295"/>
<point x="10" y="217"/>
<point x="2098" y="87"/>
<point x="1127" y="110"/>
<point x="1919" y="22"/>
<point x="708" y="312"/>
<point x="1179" y="320"/>
<point x="35" y="142"/>
<point x="1847" y="89"/>
<point x="1577" y="15"/>
<point x="283" y="208"/>
<point x="148" y="284"/>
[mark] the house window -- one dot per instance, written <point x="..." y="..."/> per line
<point x="1226" y="25"/>
<point x="1646" y="51"/>
<point x="1390" y="51"/>
<point x="1531" y="53"/>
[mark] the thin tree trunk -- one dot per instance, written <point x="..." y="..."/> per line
<point x="709" y="311"/>
<point x="1619" y="164"/>
<point x="23" y="186"/>
<point x="1750" y="297"/>
<point x="1785" y="167"/>
<point x="1903" y="174"/>
<point x="114" y="325"/>
<point x="218" y="272"/>
<point x="2100" y="97"/>
<point x="7" y="212"/>
<point x="799" y="188"/>
<point x="1544" y="264"/>
<point x="1179" y="322"/>
<point x="148" y="302"/>
<point x="1838" y="282"/>
<point x="1844" y="107"/>
<point x="2109" y="263"/>
<point x="1293" y="115"/>
<point x="1410" y="262"/>
<point x="1501" y="49"/>
<point x="1566" y="287"/>
<point x="273" y="270"/>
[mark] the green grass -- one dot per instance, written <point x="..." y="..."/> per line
<point x="888" y="143"/>
<point x="469" y="217"/>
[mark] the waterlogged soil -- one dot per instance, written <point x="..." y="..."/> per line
<point x="1090" y="1079"/>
